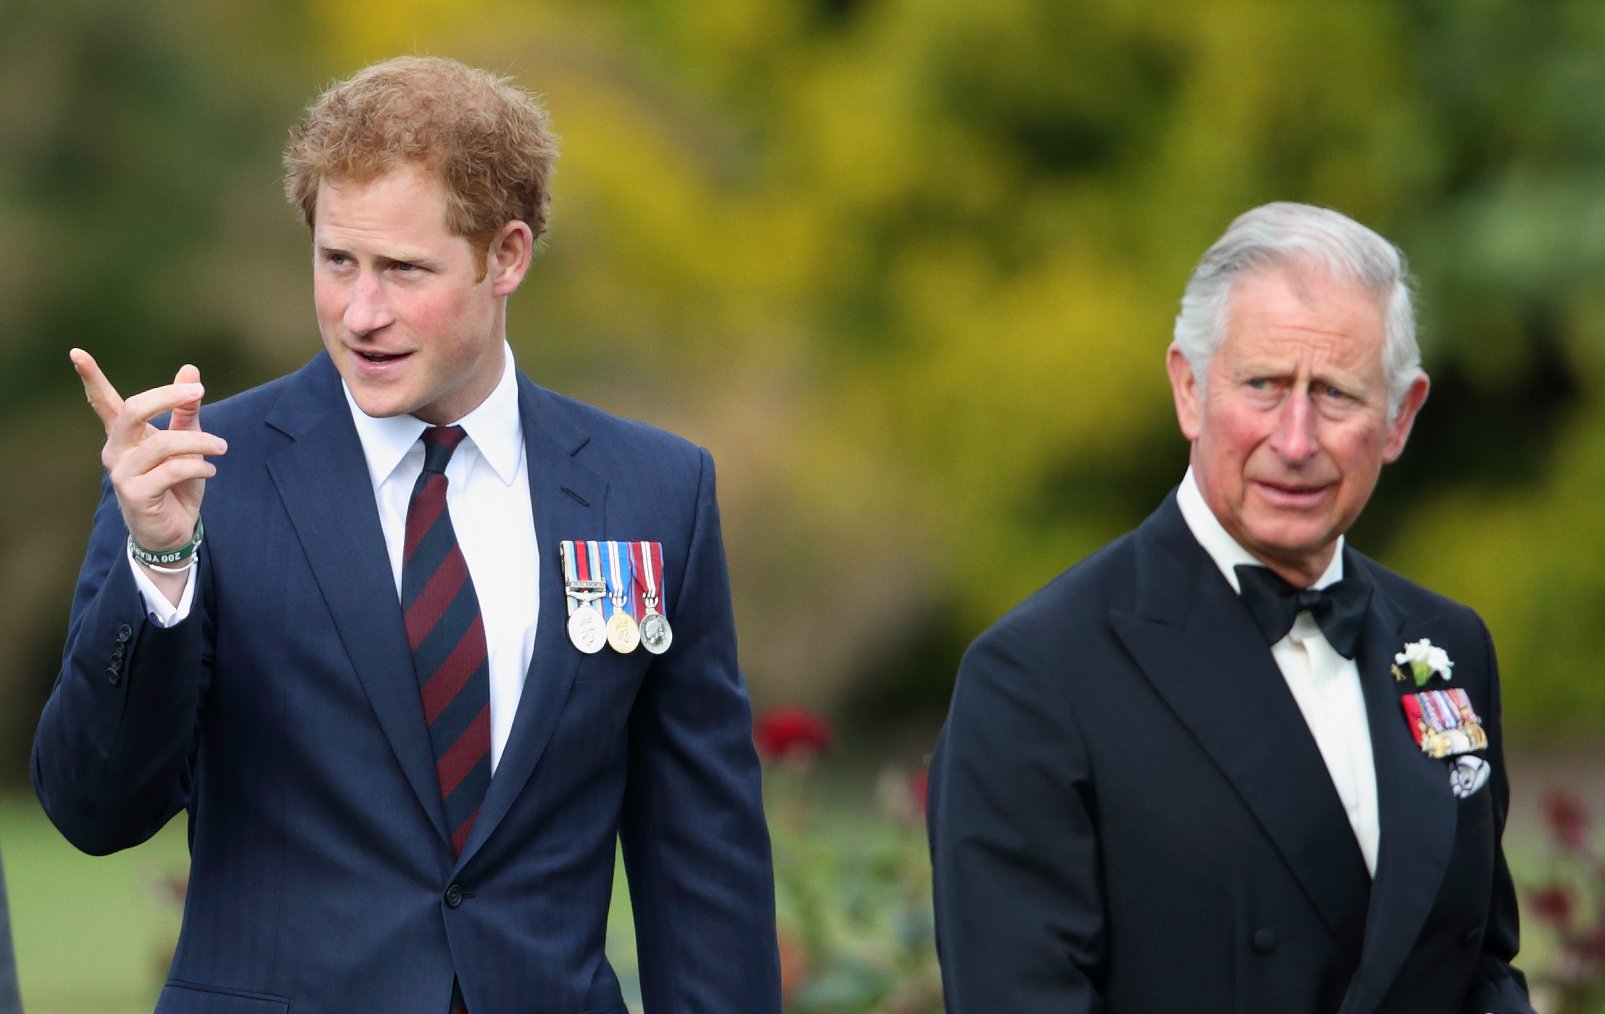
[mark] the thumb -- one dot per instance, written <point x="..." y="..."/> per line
<point x="187" y="416"/>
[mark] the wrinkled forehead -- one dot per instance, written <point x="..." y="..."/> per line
<point x="1306" y="316"/>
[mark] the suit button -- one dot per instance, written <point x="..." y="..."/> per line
<point x="1264" y="940"/>
<point x="125" y="633"/>
<point x="1470" y="940"/>
<point x="114" y="675"/>
<point x="454" y="896"/>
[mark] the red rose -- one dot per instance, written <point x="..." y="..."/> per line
<point x="787" y="733"/>
<point x="1554" y="905"/>
<point x="1567" y="819"/>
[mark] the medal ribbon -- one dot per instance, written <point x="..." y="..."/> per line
<point x="619" y="574"/>
<point x="594" y="559"/>
<point x="652" y="567"/>
<point x="638" y="580"/>
<point x="571" y="574"/>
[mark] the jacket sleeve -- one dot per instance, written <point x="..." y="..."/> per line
<point x="696" y="847"/>
<point x="1498" y="987"/>
<point x="114" y="752"/>
<point x="1014" y="847"/>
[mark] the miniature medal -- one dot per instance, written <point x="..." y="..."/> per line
<point x="586" y="628"/>
<point x="622" y="633"/>
<point x="655" y="633"/>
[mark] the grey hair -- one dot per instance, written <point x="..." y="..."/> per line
<point x="1288" y="235"/>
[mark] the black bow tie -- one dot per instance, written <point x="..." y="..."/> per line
<point x="1338" y="609"/>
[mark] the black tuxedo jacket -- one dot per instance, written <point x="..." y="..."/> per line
<point x="284" y="715"/>
<point x="1128" y="812"/>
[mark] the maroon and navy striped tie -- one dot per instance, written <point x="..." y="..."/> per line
<point x="447" y="635"/>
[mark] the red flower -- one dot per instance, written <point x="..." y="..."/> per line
<point x="1554" y="905"/>
<point x="1567" y="819"/>
<point x="787" y="733"/>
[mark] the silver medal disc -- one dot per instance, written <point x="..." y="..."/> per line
<point x="587" y="629"/>
<point x="655" y="633"/>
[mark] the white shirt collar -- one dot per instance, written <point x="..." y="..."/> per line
<point x="493" y="427"/>
<point x="1219" y="544"/>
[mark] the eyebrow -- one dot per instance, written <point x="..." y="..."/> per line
<point x="393" y="257"/>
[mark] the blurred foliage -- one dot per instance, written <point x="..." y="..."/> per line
<point x="1567" y="906"/>
<point x="907" y="268"/>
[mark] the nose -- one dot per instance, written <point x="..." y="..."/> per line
<point x="366" y="311"/>
<point x="1294" y="439"/>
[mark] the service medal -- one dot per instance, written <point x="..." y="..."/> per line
<point x="586" y="628"/>
<point x="656" y="635"/>
<point x="1444" y="723"/>
<point x="622" y="633"/>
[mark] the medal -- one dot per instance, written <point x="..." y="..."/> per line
<point x="622" y="633"/>
<point x="655" y="633"/>
<point x="586" y="628"/>
<point x="1444" y="723"/>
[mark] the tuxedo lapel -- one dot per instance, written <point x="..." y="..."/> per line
<point x="322" y="478"/>
<point x="1198" y="647"/>
<point x="1415" y="806"/>
<point x="568" y="502"/>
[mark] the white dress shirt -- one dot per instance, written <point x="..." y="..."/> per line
<point x="487" y="495"/>
<point x="1325" y="685"/>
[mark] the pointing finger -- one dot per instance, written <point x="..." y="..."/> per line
<point x="103" y="397"/>
<point x="186" y="415"/>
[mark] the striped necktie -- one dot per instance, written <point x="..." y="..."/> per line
<point x="447" y="637"/>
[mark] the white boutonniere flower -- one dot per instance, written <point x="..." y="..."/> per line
<point x="1422" y="660"/>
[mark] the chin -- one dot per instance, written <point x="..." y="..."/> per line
<point x="378" y="408"/>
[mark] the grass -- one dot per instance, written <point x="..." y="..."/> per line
<point x="93" y="934"/>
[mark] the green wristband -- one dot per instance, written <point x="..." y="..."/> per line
<point x="167" y="557"/>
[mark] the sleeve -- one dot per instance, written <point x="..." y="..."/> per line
<point x="162" y="612"/>
<point x="696" y="847"/>
<point x="113" y="755"/>
<point x="10" y="999"/>
<point x="1015" y="855"/>
<point x="1498" y="987"/>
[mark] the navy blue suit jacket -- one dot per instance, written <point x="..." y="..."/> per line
<point x="1129" y="814"/>
<point x="283" y="713"/>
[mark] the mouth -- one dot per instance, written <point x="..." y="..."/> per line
<point x="381" y="357"/>
<point x="1293" y="494"/>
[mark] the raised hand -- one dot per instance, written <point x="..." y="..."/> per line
<point x="159" y="475"/>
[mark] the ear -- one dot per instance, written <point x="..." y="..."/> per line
<point x="1399" y="428"/>
<point x="511" y="250"/>
<point x="1184" y="388"/>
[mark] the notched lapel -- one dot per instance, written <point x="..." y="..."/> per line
<point x="322" y="478"/>
<point x="569" y="502"/>
<point x="1415" y="806"/>
<point x="1201" y="652"/>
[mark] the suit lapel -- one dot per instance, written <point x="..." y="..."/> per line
<point x="1196" y="644"/>
<point x="568" y="502"/>
<point x="322" y="478"/>
<point x="1415" y="807"/>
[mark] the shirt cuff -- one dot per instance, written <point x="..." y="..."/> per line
<point x="162" y="612"/>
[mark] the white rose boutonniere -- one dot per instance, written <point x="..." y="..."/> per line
<point x="1422" y="660"/>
